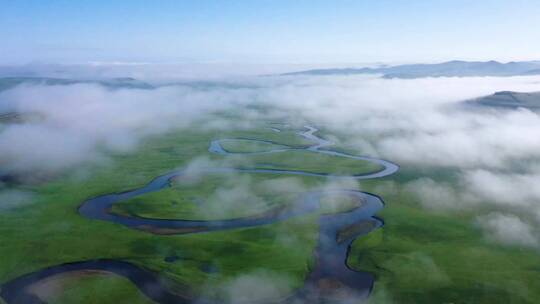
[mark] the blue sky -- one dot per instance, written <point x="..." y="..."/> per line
<point x="298" y="31"/>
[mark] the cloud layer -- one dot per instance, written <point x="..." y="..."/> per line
<point x="73" y="124"/>
<point x="508" y="229"/>
<point x="418" y="123"/>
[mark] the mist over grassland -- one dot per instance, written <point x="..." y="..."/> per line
<point x="490" y="158"/>
<point x="414" y="122"/>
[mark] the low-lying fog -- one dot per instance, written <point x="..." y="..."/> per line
<point x="417" y="123"/>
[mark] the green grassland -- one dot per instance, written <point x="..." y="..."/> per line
<point x="249" y="146"/>
<point x="288" y="136"/>
<point x="212" y="197"/>
<point x="423" y="256"/>
<point x="303" y="160"/>
<point x="419" y="256"/>
<point x="51" y="232"/>
<point x="94" y="289"/>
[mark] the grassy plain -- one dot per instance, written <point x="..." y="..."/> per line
<point x="212" y="197"/>
<point x="250" y="146"/>
<point x="51" y="231"/>
<point x="419" y="256"/>
<point x="424" y="256"/>
<point x="93" y="289"/>
<point x="301" y="160"/>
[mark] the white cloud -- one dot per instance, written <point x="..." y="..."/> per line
<point x="434" y="195"/>
<point x="505" y="188"/>
<point x="259" y="286"/>
<point x="11" y="199"/>
<point x="403" y="120"/>
<point x="76" y="122"/>
<point x="413" y="122"/>
<point x="507" y="229"/>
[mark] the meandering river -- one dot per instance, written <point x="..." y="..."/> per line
<point x="337" y="232"/>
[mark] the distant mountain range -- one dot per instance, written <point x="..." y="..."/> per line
<point x="113" y="83"/>
<point x="510" y="100"/>
<point x="446" y="69"/>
